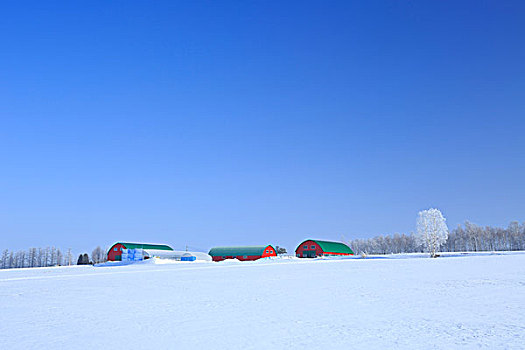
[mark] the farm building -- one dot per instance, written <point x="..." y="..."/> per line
<point x="313" y="248"/>
<point x="115" y="252"/>
<point x="181" y="255"/>
<point x="242" y="253"/>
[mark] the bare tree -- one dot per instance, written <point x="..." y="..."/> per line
<point x="59" y="258"/>
<point x="40" y="257"/>
<point x="46" y="257"/>
<point x="69" y="257"/>
<point x="98" y="255"/>
<point x="5" y="258"/>
<point x="11" y="260"/>
<point x="32" y="257"/>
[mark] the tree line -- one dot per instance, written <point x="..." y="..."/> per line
<point x="35" y="257"/>
<point x="49" y="256"/>
<point x="468" y="237"/>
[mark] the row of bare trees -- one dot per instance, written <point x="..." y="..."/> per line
<point x="35" y="257"/>
<point x="468" y="237"/>
<point x="471" y="237"/>
<point x="49" y="256"/>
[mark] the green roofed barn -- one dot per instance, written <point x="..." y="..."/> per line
<point x="313" y="248"/>
<point x="242" y="253"/>
<point x="115" y="252"/>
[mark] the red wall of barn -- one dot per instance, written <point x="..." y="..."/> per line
<point x="241" y="258"/>
<point x="112" y="254"/>
<point x="300" y="250"/>
<point x="271" y="252"/>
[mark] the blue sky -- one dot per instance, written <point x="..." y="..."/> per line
<point x="216" y="123"/>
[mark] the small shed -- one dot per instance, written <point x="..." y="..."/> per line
<point x="188" y="257"/>
<point x="242" y="253"/>
<point x="115" y="252"/>
<point x="313" y="248"/>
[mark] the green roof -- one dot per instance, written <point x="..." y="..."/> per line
<point x="143" y="246"/>
<point x="331" y="247"/>
<point x="238" y="251"/>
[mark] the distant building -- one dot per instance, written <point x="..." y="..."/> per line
<point x="242" y="253"/>
<point x="115" y="252"/>
<point x="181" y="255"/>
<point x="313" y="248"/>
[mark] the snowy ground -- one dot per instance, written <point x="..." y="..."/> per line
<point x="445" y="303"/>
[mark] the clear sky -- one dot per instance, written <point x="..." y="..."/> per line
<point x="207" y="123"/>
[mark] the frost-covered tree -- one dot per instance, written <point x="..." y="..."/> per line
<point x="432" y="231"/>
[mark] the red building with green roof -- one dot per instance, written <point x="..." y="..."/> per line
<point x="242" y="253"/>
<point x="313" y="248"/>
<point x="115" y="252"/>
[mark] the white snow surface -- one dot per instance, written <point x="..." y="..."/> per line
<point x="450" y="302"/>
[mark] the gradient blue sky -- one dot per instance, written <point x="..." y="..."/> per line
<point x="253" y="122"/>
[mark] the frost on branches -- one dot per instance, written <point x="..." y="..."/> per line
<point x="432" y="231"/>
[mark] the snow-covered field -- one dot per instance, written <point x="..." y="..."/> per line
<point x="445" y="303"/>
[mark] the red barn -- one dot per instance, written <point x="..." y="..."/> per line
<point x="115" y="252"/>
<point x="242" y="253"/>
<point x="313" y="248"/>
